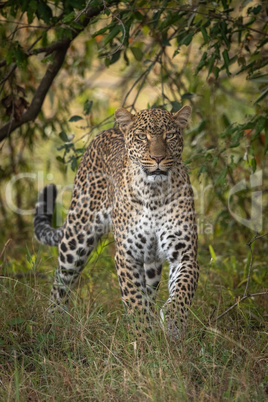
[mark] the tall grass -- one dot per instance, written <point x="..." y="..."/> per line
<point x="91" y="351"/>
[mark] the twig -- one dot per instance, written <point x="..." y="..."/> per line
<point x="11" y="71"/>
<point x="162" y="79"/>
<point x="239" y="301"/>
<point x="5" y="247"/>
<point x="251" y="259"/>
<point x="246" y="294"/>
<point x="145" y="73"/>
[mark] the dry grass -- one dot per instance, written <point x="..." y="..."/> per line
<point x="91" y="353"/>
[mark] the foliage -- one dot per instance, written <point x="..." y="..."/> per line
<point x="211" y="55"/>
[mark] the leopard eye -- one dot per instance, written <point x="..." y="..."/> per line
<point x="142" y="136"/>
<point x="170" y="135"/>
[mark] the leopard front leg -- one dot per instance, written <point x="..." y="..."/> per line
<point x="132" y="281"/>
<point x="153" y="277"/>
<point x="183" y="278"/>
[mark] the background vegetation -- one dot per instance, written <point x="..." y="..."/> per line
<point x="64" y="68"/>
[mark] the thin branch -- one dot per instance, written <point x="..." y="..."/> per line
<point x="239" y="301"/>
<point x="145" y="73"/>
<point x="162" y="78"/>
<point x="11" y="71"/>
<point x="133" y="86"/>
<point x="246" y="294"/>
<point x="251" y="259"/>
<point x="23" y="24"/>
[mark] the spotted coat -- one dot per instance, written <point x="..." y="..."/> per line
<point x="131" y="180"/>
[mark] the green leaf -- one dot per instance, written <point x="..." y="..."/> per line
<point x="76" y="25"/>
<point x="203" y="169"/>
<point x="87" y="106"/>
<point x="176" y="106"/>
<point x="137" y="53"/>
<point x="103" y="30"/>
<point x="16" y="54"/>
<point x="112" y="34"/>
<point x="30" y="7"/>
<point x="211" y="63"/>
<point x="216" y="72"/>
<point x="266" y="140"/>
<point x="187" y="95"/>
<point x="44" y="39"/>
<point x="215" y="161"/>
<point x="223" y="27"/>
<point x="63" y="136"/>
<point x="204" y="33"/>
<point x="44" y="12"/>
<point x="60" y="159"/>
<point x="115" y="57"/>
<point x="262" y="95"/>
<point x="212" y="252"/>
<point x="202" y="62"/>
<point x="220" y="181"/>
<point x="74" y="164"/>
<point x="187" y="39"/>
<point x="259" y="126"/>
<point x="225" y="56"/>
<point x="225" y="120"/>
<point x="253" y="164"/>
<point x="262" y="78"/>
<point x="156" y="17"/>
<point x="69" y="17"/>
<point x="75" y="118"/>
<point x="235" y="144"/>
<point x="48" y="59"/>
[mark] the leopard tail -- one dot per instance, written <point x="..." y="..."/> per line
<point x="44" y="208"/>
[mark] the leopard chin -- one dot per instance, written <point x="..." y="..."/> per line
<point x="156" y="178"/>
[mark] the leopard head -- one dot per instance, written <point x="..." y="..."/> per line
<point x="153" y="138"/>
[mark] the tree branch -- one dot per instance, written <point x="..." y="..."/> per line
<point x="60" y="48"/>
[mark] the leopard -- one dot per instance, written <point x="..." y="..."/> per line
<point x="132" y="181"/>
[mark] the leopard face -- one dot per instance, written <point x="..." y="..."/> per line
<point x="153" y="138"/>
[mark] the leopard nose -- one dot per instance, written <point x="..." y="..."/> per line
<point x="158" y="158"/>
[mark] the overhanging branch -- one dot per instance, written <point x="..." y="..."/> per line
<point x="39" y="97"/>
<point x="51" y="72"/>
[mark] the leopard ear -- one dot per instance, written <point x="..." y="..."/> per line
<point x="182" y="116"/>
<point x="123" y="117"/>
